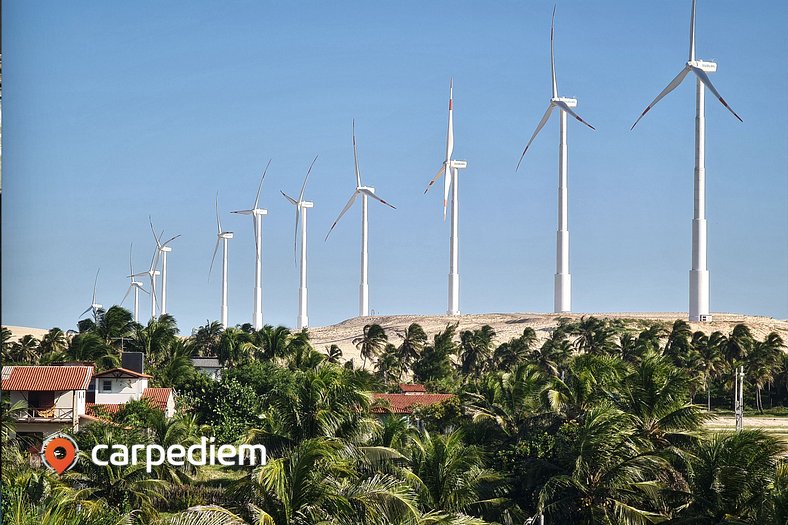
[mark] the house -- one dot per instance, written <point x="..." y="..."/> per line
<point x="118" y="386"/>
<point x="55" y="397"/>
<point x="210" y="366"/>
<point x="407" y="400"/>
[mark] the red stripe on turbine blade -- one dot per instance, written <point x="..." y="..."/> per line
<point x="449" y="104"/>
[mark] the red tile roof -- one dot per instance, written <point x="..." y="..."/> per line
<point x="122" y="372"/>
<point x="46" y="378"/>
<point x="404" y="388"/>
<point x="404" y="403"/>
<point x="108" y="408"/>
<point x="158" y="396"/>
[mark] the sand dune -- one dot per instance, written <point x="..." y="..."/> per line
<point x="506" y="325"/>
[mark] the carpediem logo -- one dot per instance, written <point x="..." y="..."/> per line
<point x="59" y="452"/>
<point x="206" y="452"/>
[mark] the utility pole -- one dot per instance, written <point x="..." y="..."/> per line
<point x="739" y="398"/>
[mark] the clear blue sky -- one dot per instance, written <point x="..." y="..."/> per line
<point x="116" y="110"/>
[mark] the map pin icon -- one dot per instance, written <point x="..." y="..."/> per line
<point x="60" y="453"/>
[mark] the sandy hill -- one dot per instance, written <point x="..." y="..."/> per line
<point x="506" y="325"/>
<point x="511" y="325"/>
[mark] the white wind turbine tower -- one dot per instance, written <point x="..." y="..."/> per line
<point x="161" y="251"/>
<point x="364" y="191"/>
<point x="136" y="286"/>
<point x="699" y="274"/>
<point x="300" y="210"/>
<point x="451" y="170"/>
<point x="94" y="306"/>
<point x="563" y="279"/>
<point x="221" y="236"/>
<point x="257" y="222"/>
<point x="152" y="273"/>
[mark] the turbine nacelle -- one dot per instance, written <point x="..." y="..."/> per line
<point x="708" y="67"/>
<point x="165" y="249"/>
<point x="225" y="235"/>
<point x="256" y="212"/>
<point x="571" y="102"/>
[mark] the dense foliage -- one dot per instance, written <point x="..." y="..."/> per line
<point x="593" y="423"/>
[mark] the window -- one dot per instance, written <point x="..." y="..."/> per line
<point x="106" y="385"/>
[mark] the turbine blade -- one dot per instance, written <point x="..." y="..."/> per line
<point x="213" y="257"/>
<point x="127" y="294"/>
<point x="303" y="186"/>
<point x="707" y="82"/>
<point x="355" y="156"/>
<point x="295" y="236"/>
<point x="692" y="33"/>
<point x="131" y="268"/>
<point x="450" y="132"/>
<point x="565" y="107"/>
<point x="95" y="283"/>
<point x="673" y="85"/>
<point x="367" y="192"/>
<point x="289" y="198"/>
<point x="447" y="181"/>
<point x="552" y="54"/>
<point x="169" y="240"/>
<point x="260" y="186"/>
<point x="344" y="210"/>
<point x="144" y="290"/>
<point x="436" y="177"/>
<point x="153" y="231"/>
<point x="218" y="221"/>
<point x="538" y="129"/>
<point x="86" y="311"/>
<point x="254" y="225"/>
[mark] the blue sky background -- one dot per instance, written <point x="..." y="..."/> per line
<point x="116" y="110"/>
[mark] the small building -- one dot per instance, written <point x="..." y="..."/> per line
<point x="118" y="386"/>
<point x="55" y="397"/>
<point x="410" y="397"/>
<point x="209" y="366"/>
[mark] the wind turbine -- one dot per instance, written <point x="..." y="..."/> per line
<point x="257" y="222"/>
<point x="93" y="305"/>
<point x="221" y="236"/>
<point x="563" y="280"/>
<point x="364" y="191"/>
<point x="699" y="274"/>
<point x="451" y="170"/>
<point x="300" y="213"/>
<point x="152" y="273"/>
<point x="136" y="286"/>
<point x="162" y="250"/>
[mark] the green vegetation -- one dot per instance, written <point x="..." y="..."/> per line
<point x="594" y="424"/>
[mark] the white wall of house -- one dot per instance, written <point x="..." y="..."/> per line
<point x="122" y="389"/>
<point x="170" y="410"/>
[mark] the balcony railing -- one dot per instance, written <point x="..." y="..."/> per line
<point x="53" y="413"/>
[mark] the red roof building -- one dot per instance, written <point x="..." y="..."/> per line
<point x="405" y="403"/>
<point x="46" y="378"/>
<point x="412" y="389"/>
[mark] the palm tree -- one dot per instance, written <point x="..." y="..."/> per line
<point x="510" y="354"/>
<point x="333" y="354"/>
<point x="371" y="342"/>
<point x="90" y="347"/>
<point x="594" y="336"/>
<point x="316" y="482"/>
<point x="389" y="367"/>
<point x="413" y="340"/>
<point x="709" y="362"/>
<point x="610" y="480"/>
<point x="730" y="477"/>
<point x="273" y="342"/>
<point x="435" y="361"/>
<point x="507" y="400"/>
<point x="764" y="363"/>
<point x="451" y="474"/>
<point x="154" y="338"/>
<point x="115" y="325"/>
<point x="25" y="350"/>
<point x="656" y="395"/>
<point x="475" y="350"/>
<point x="206" y="338"/>
<point x="232" y="350"/>
<point x="678" y="347"/>
<point x="54" y="342"/>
